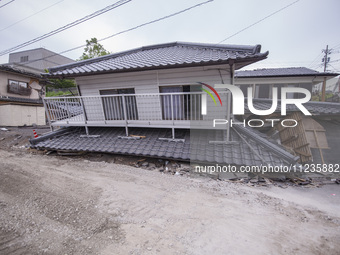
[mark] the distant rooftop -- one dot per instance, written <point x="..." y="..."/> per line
<point x="281" y="72"/>
<point x="37" y="60"/>
<point x="168" y="55"/>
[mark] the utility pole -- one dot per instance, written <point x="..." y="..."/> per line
<point x="325" y="60"/>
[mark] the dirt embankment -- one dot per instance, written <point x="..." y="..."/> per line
<point x="56" y="205"/>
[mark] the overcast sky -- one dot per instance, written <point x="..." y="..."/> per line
<point x="294" y="36"/>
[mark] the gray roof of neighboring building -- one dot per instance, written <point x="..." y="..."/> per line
<point x="21" y="100"/>
<point x="40" y="50"/>
<point x="315" y="108"/>
<point x="248" y="146"/>
<point x="281" y="72"/>
<point x="37" y="59"/>
<point x="169" y="55"/>
<point x="7" y="68"/>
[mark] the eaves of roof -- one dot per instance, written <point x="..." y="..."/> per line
<point x="8" y="69"/>
<point x="301" y="75"/>
<point x="21" y="100"/>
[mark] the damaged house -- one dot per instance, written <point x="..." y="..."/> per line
<point x="22" y="87"/>
<point x="158" y="101"/>
<point x="315" y="139"/>
<point x="20" y="97"/>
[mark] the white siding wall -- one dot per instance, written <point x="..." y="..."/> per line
<point x="20" y="115"/>
<point x="148" y="82"/>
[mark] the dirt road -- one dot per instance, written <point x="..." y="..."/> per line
<point x="56" y="205"/>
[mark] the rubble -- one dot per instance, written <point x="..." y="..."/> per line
<point x="178" y="168"/>
<point x="17" y="138"/>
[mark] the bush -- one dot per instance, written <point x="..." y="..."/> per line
<point x="57" y="94"/>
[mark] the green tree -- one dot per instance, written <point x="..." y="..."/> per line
<point x="93" y="49"/>
<point x="66" y="86"/>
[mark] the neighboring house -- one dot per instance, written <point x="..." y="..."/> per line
<point x="37" y="60"/>
<point x="332" y="86"/>
<point x="20" y="97"/>
<point x="262" y="81"/>
<point x="315" y="139"/>
<point x="147" y="101"/>
<point x="22" y="87"/>
<point x="332" y="90"/>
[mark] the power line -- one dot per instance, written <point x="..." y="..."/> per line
<point x="337" y="60"/>
<point x="316" y="66"/>
<point x="317" y="58"/>
<point x="31" y="15"/>
<point x="156" y="20"/>
<point x="257" y="22"/>
<point x="124" y="31"/>
<point x="334" y="68"/>
<point x="7" y="3"/>
<point x="329" y="51"/>
<point x="336" y="46"/>
<point x="77" y="22"/>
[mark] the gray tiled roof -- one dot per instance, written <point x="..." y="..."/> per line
<point x="10" y="69"/>
<point x="176" y="54"/>
<point x="252" y="149"/>
<point x="280" y="72"/>
<point x="21" y="100"/>
<point x="315" y="108"/>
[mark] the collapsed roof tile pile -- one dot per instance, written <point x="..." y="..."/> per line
<point x="246" y="148"/>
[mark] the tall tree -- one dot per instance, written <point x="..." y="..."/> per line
<point x="93" y="49"/>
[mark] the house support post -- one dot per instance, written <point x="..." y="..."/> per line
<point x="47" y="115"/>
<point x="87" y="130"/>
<point x="172" y="116"/>
<point x="125" y="117"/>
<point x="67" y="110"/>
<point x="81" y="101"/>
